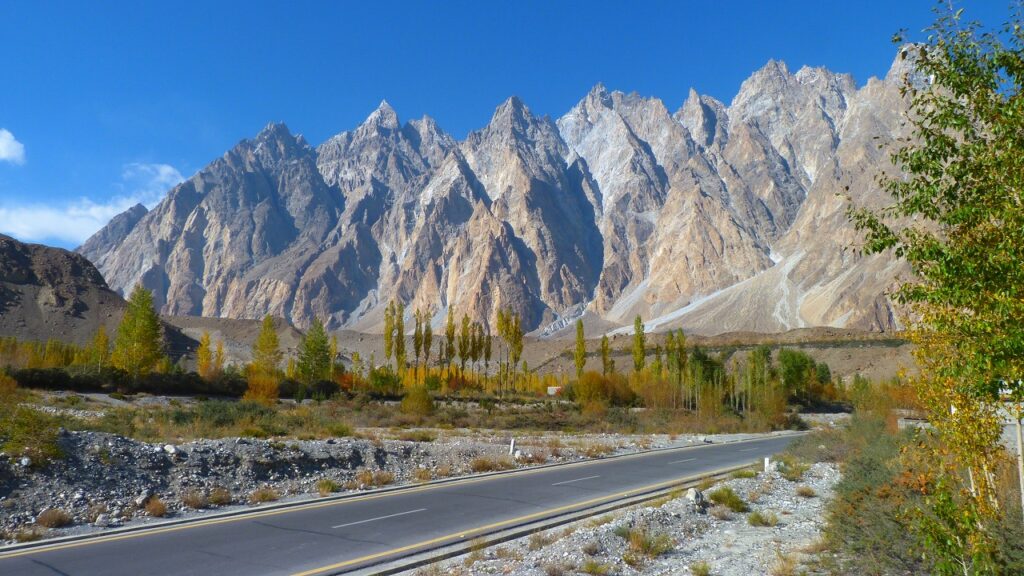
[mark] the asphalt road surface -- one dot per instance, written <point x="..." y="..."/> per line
<point x="330" y="537"/>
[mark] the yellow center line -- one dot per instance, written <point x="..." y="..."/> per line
<point x="314" y="506"/>
<point x="519" y="520"/>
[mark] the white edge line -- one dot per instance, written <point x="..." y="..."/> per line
<point x="681" y="461"/>
<point x="380" y="518"/>
<point x="576" y="480"/>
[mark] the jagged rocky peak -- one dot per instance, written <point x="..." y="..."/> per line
<point x="705" y="118"/>
<point x="619" y="207"/>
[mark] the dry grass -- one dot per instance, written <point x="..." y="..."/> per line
<point x="195" y="500"/>
<point x="53" y="518"/>
<point x="591" y="548"/>
<point x="597" y="450"/>
<point x="29" y="534"/>
<point x="263" y="495"/>
<point x="700" y="568"/>
<point x="374" y="478"/>
<point x="507" y="554"/>
<point x="95" y="510"/>
<point x="556" y="569"/>
<point x="220" y="496"/>
<point x="600" y="521"/>
<point x="422" y="475"/>
<point x="784" y="564"/>
<point x="707" y="484"/>
<point x="592" y="566"/>
<point x="805" y="492"/>
<point x="721" y="512"/>
<point x="155" y="507"/>
<point x="417" y="436"/>
<point x="443" y="471"/>
<point x="762" y="519"/>
<point x="326" y="486"/>
<point x="539" y="540"/>
<point x="482" y="464"/>
<point x="745" y="473"/>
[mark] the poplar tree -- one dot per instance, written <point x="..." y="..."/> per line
<point x="218" y="358"/>
<point x="400" y="336"/>
<point x="389" y="331"/>
<point x="464" y="342"/>
<point x="639" y="345"/>
<point x="417" y="338"/>
<point x="99" y="349"/>
<point x="428" y="339"/>
<point x="581" y="349"/>
<point x="314" y="359"/>
<point x="204" y="357"/>
<point x="266" y="351"/>
<point x="137" y="348"/>
<point x="449" y="336"/>
<point x="607" y="364"/>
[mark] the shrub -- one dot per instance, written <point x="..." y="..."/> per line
<point x="594" y="567"/>
<point x="746" y="473"/>
<point x="326" y="486"/>
<point x="156" y="508"/>
<point x="539" y="540"/>
<point x="220" y="496"/>
<point x="29" y="534"/>
<point x="482" y="464"/>
<point x="791" y="467"/>
<point x="195" y="499"/>
<point x="418" y="402"/>
<point x="700" y="568"/>
<point x="339" y="429"/>
<point x="53" y="518"/>
<point x="8" y="386"/>
<point x="728" y="498"/>
<point x="29" y="432"/>
<point x="263" y="495"/>
<point x="762" y="519"/>
<point x="591" y="548"/>
<point x="263" y="388"/>
<point x="422" y="475"/>
<point x="805" y="492"/>
<point x="721" y="512"/>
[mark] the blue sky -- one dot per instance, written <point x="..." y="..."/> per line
<point x="106" y="103"/>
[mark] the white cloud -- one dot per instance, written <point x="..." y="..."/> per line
<point x="73" y="222"/>
<point x="10" y="149"/>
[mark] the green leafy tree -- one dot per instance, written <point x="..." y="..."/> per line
<point x="314" y="362"/>
<point x="639" y="345"/>
<point x="400" y="336"/>
<point x="449" y="337"/>
<point x="266" y="351"/>
<point x="98" y="352"/>
<point x="389" y="331"/>
<point x="138" y="346"/>
<point x="607" y="363"/>
<point x="957" y="219"/>
<point x="580" y="355"/>
<point x="464" y="342"/>
<point x="417" y="338"/>
<point x="428" y="338"/>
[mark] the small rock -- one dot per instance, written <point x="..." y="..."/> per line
<point x="696" y="499"/>
<point x="25" y="461"/>
<point x="101" y="521"/>
<point x="170" y="449"/>
<point x="144" y="497"/>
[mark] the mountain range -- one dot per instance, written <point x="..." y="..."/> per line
<point x="713" y="218"/>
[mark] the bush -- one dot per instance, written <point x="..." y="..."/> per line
<point x="417" y="436"/>
<point x="263" y="495"/>
<point x="762" y="519"/>
<point x="728" y="498"/>
<point x="156" y="508"/>
<point x="25" y="431"/>
<point x="805" y="492"/>
<point x="262" y="389"/>
<point x="418" y="402"/>
<point x="326" y="486"/>
<point x="194" y="499"/>
<point x="482" y="464"/>
<point x="53" y="518"/>
<point x="220" y="496"/>
<point x="700" y="568"/>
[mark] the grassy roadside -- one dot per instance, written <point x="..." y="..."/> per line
<point x="887" y="495"/>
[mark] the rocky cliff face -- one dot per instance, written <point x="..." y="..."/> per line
<point x="715" y="217"/>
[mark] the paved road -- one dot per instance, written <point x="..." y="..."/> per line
<point x="342" y="535"/>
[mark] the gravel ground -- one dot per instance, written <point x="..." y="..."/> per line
<point x="107" y="481"/>
<point x="695" y="535"/>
